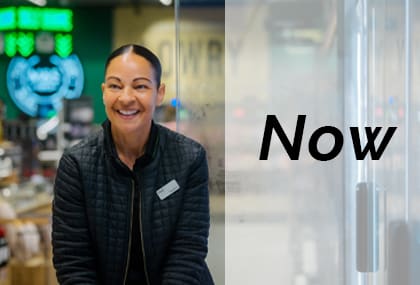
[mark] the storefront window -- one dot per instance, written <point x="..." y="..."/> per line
<point x="342" y="64"/>
<point x="200" y="105"/>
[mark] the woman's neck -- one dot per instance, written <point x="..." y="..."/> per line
<point x="130" y="146"/>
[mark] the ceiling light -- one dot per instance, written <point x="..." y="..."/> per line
<point x="39" y="2"/>
<point x="166" y="2"/>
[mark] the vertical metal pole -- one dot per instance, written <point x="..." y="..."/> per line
<point x="372" y="85"/>
<point x="352" y="84"/>
<point x="373" y="82"/>
<point x="407" y="92"/>
<point x="177" y="67"/>
<point x="362" y="71"/>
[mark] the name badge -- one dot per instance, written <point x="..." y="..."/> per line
<point x="167" y="190"/>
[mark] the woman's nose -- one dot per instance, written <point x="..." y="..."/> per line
<point x="126" y="96"/>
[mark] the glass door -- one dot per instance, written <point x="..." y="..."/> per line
<point x="200" y="108"/>
<point x="343" y="65"/>
<point x="284" y="217"/>
<point x="380" y="84"/>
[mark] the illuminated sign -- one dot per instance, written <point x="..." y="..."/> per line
<point x="21" y="26"/>
<point x="8" y="18"/>
<point x="33" y="18"/>
<point x="37" y="85"/>
<point x="63" y="44"/>
<point x="43" y="69"/>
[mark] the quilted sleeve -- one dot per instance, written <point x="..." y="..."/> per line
<point x="186" y="257"/>
<point x="73" y="255"/>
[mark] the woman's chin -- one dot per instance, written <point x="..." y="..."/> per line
<point x="130" y="126"/>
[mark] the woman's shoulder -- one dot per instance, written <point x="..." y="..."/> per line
<point x="87" y="146"/>
<point x="177" y="140"/>
<point x="173" y="141"/>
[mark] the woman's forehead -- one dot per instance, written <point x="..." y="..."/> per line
<point x="130" y="64"/>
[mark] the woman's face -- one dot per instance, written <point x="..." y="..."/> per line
<point x="130" y="93"/>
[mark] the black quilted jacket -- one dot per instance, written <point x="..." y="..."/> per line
<point x="92" y="210"/>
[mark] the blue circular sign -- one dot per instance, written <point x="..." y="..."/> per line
<point x="37" y="84"/>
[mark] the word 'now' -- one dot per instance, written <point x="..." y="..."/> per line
<point x="293" y="149"/>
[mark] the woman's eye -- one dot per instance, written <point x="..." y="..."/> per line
<point x="114" y="86"/>
<point x="140" y="87"/>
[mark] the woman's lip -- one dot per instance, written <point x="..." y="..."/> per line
<point x="127" y="117"/>
<point x="128" y="112"/>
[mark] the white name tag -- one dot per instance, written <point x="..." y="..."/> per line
<point x="167" y="189"/>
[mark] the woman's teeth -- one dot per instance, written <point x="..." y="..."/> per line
<point x="128" y="113"/>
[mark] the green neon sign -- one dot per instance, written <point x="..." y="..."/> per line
<point x="25" y="43"/>
<point x="34" y="18"/>
<point x="20" y="24"/>
<point x="10" y="46"/>
<point x="59" y="20"/>
<point x="63" y="45"/>
<point x="21" y="42"/>
<point x="8" y="18"/>
<point x="28" y="18"/>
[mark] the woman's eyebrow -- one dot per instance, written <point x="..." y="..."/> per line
<point x="113" y="77"/>
<point x="142" y="78"/>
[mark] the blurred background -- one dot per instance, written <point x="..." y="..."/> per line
<point x="52" y="55"/>
<point x="342" y="63"/>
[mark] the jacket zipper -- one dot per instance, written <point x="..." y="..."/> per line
<point x="131" y="229"/>
<point x="142" y="242"/>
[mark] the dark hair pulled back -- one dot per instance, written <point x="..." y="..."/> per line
<point x="140" y="51"/>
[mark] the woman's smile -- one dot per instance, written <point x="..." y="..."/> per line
<point x="128" y="114"/>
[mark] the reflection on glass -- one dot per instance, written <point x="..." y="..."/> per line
<point x="200" y="106"/>
<point x="344" y="64"/>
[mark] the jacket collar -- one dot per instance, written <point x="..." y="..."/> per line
<point x="151" y="145"/>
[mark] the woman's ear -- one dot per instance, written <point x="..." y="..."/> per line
<point x="103" y="92"/>
<point x="160" y="94"/>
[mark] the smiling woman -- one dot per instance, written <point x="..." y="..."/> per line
<point x="131" y="202"/>
<point x="131" y="92"/>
